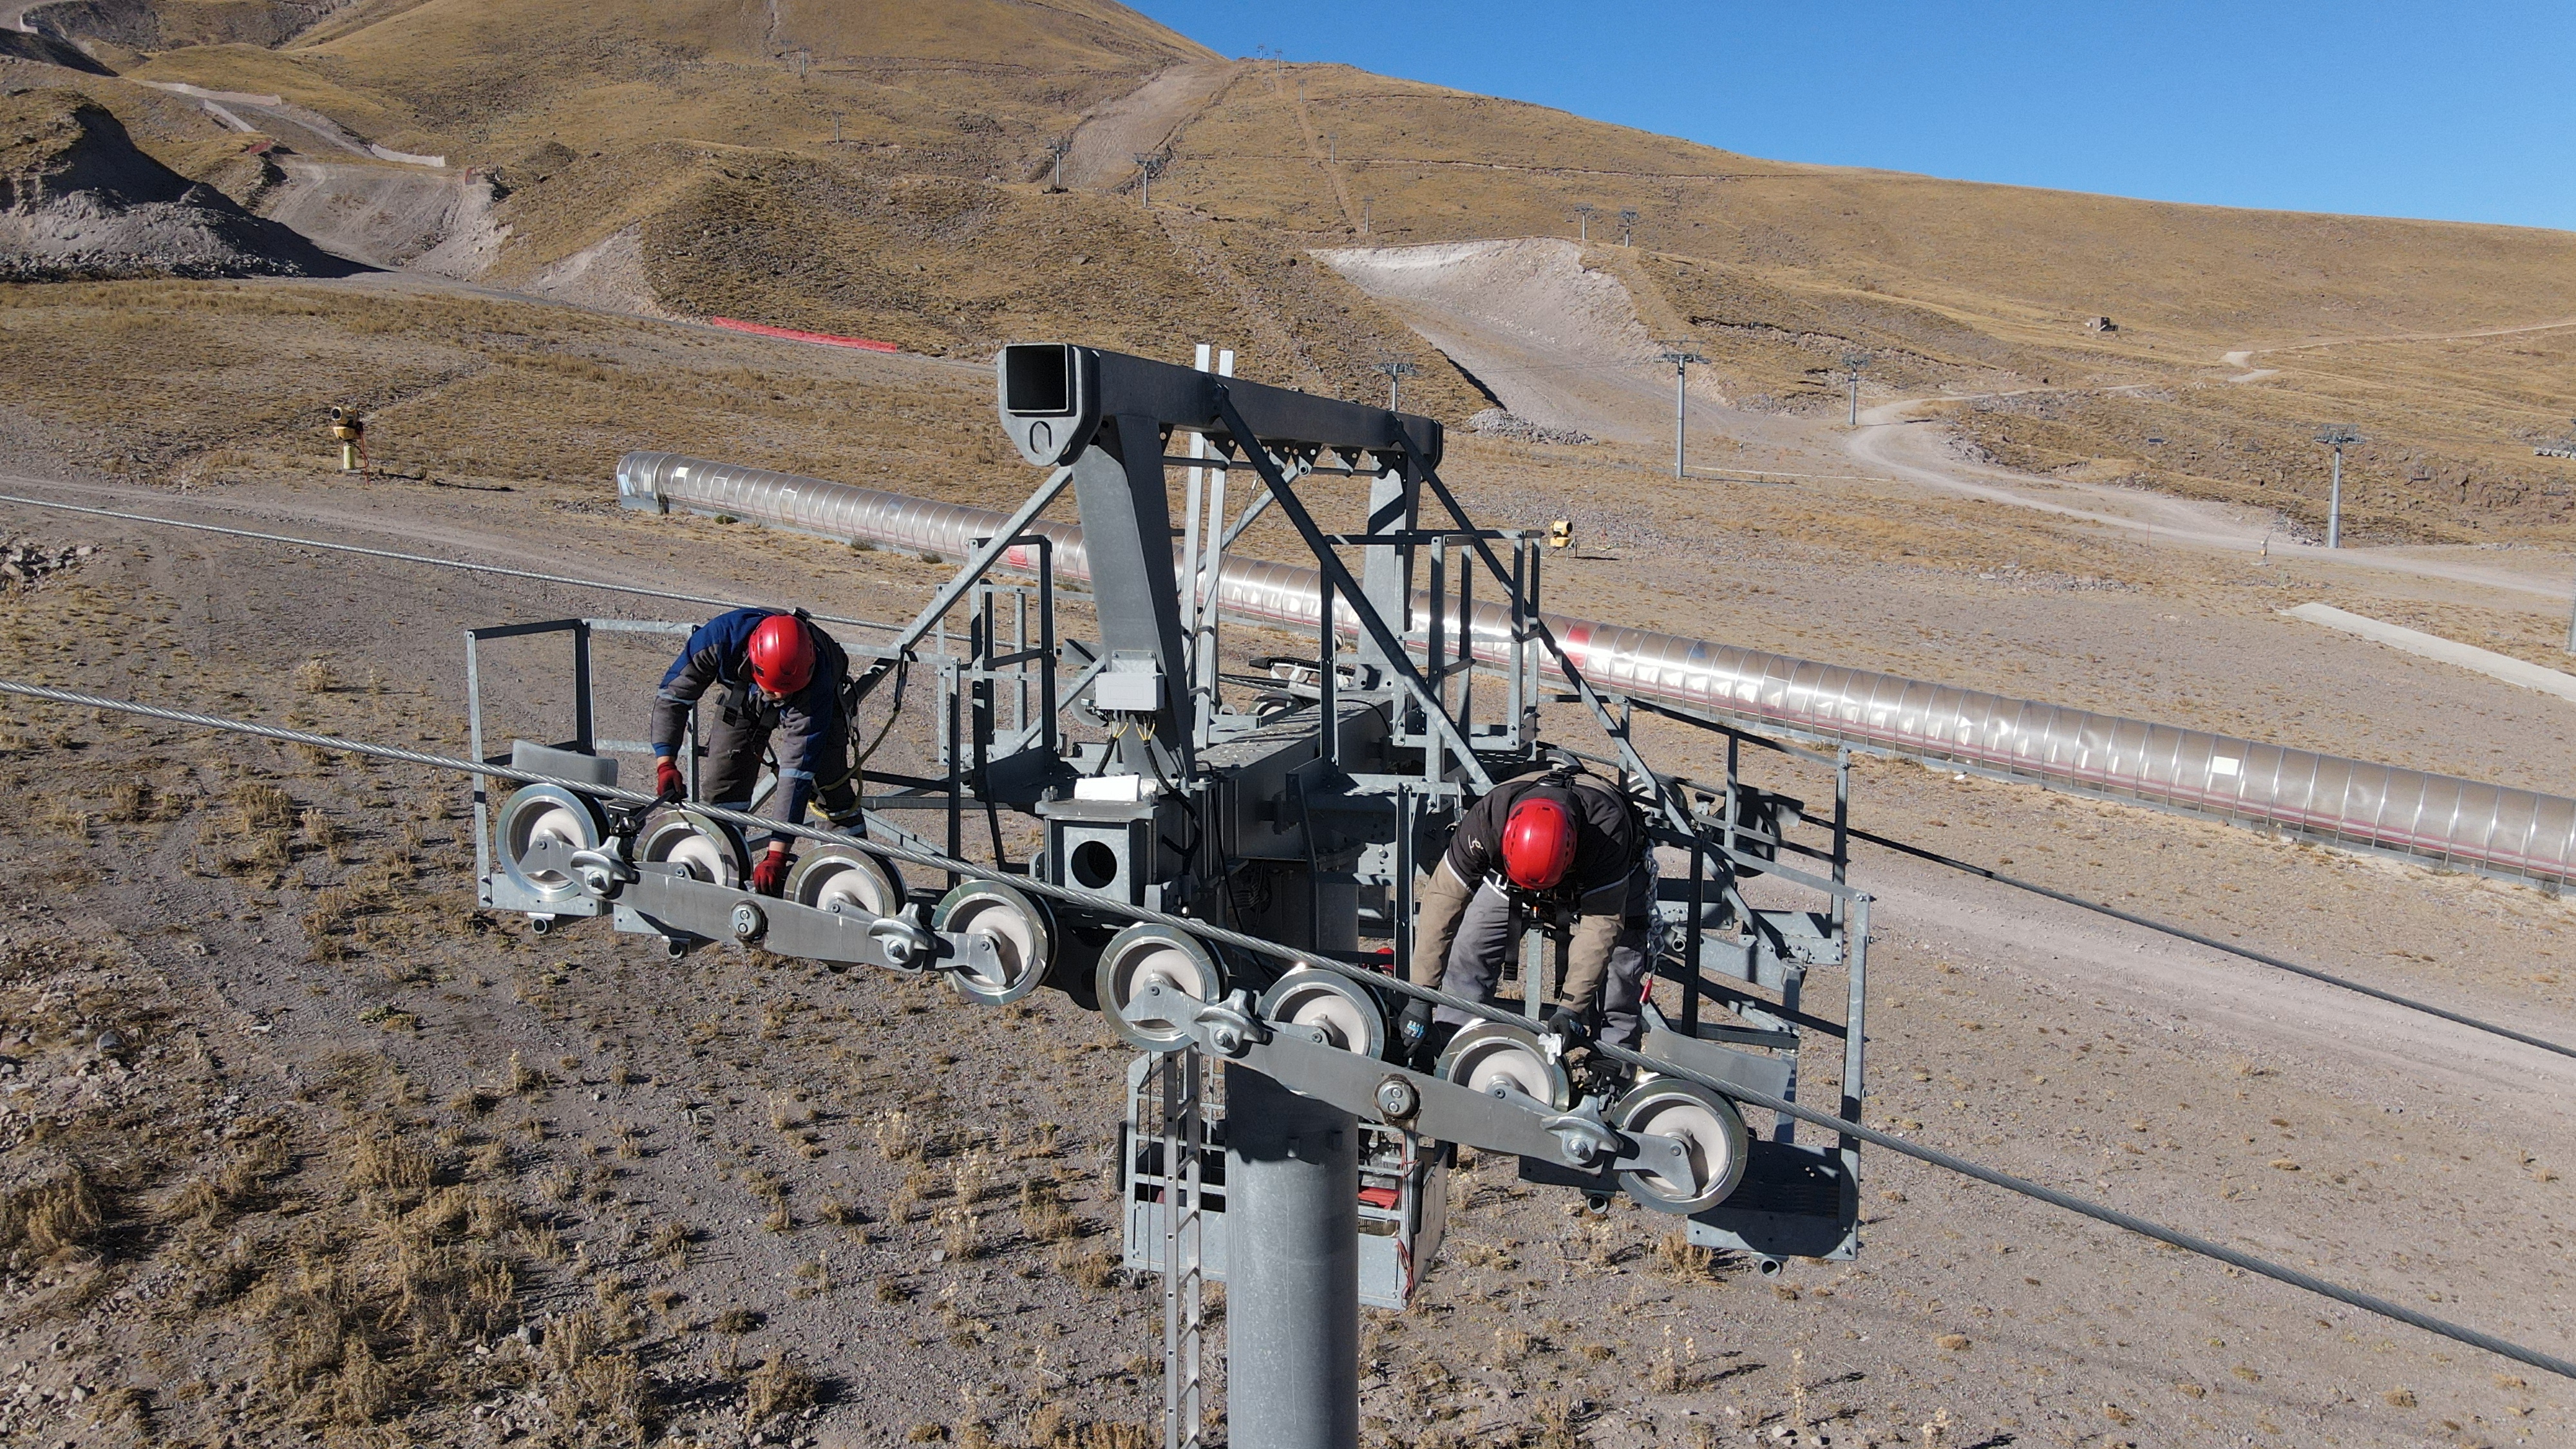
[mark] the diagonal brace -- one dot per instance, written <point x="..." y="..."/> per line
<point x="1347" y="588"/>
<point x="980" y="564"/>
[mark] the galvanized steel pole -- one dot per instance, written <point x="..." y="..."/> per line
<point x="1681" y="358"/>
<point x="1292" y="1314"/>
<point x="2337" y="437"/>
<point x="2334" y="503"/>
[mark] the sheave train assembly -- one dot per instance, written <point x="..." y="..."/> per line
<point x="1295" y="804"/>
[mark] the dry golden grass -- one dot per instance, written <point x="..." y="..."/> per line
<point x="57" y="1215"/>
<point x="776" y="1389"/>
<point x="1091" y="1269"/>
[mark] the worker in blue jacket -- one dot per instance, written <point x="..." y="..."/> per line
<point x="775" y="675"/>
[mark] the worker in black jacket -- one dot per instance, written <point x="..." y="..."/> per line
<point x="774" y="674"/>
<point x="1564" y="844"/>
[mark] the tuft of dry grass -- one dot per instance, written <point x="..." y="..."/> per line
<point x="322" y="833"/>
<point x="969" y="1177"/>
<point x="899" y="1137"/>
<point x="263" y="807"/>
<point x="59" y="1216"/>
<point x="1043" y="1216"/>
<point x="381" y="1162"/>
<point x="130" y="800"/>
<point x="671" y="1243"/>
<point x="1091" y="1271"/>
<point x="364" y="1389"/>
<point x="961" y="1233"/>
<point x="1676" y="1369"/>
<point x="316" y="676"/>
<point x="1676" y="1256"/>
<point x="67" y="820"/>
<point x="611" y="1390"/>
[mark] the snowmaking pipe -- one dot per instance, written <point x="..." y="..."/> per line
<point x="2438" y="819"/>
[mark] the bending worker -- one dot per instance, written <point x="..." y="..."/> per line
<point x="771" y="670"/>
<point x="1562" y="844"/>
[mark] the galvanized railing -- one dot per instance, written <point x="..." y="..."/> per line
<point x="2465" y="824"/>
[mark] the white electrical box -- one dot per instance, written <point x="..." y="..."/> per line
<point x="1139" y="690"/>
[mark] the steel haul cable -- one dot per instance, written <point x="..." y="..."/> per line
<point x="1882" y="841"/>
<point x="1934" y="1156"/>
<point x="418" y="558"/>
<point x="2197" y="939"/>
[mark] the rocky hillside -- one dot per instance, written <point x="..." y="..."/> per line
<point x="891" y="171"/>
<point x="78" y="200"/>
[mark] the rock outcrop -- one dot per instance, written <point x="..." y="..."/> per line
<point x="79" y="201"/>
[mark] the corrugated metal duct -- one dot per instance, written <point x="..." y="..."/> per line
<point x="2353" y="803"/>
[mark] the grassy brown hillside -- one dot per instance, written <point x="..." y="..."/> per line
<point x="701" y="132"/>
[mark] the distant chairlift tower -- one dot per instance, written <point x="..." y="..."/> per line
<point x="1627" y="226"/>
<point x="2338" y="437"/>
<point x="1853" y="362"/>
<point x="1583" y="213"/>
<point x="1149" y="164"/>
<point x="1681" y="357"/>
<point x="1396" y="370"/>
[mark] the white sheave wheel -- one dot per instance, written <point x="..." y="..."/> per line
<point x="691" y="844"/>
<point x="1017" y="927"/>
<point x="1145" y="955"/>
<point x="846" y="881"/>
<point x="541" y="814"/>
<point x="1490" y="1054"/>
<point x="1712" y="1135"/>
<point x="1346" y="1011"/>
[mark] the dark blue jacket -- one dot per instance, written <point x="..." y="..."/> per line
<point x="718" y="656"/>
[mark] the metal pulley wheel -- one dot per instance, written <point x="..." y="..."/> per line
<point x="1711" y="1132"/>
<point x="1348" y="1013"/>
<point x="539" y="814"/>
<point x="846" y="881"/>
<point x="1146" y="954"/>
<point x="1018" y="929"/>
<point x="1489" y="1054"/>
<point x="697" y="846"/>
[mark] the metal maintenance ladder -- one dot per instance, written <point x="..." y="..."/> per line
<point x="1184" y="1080"/>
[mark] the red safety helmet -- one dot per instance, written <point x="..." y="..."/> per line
<point x="782" y="655"/>
<point x="1538" y="843"/>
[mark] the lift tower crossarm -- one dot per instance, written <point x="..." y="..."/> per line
<point x="1055" y="396"/>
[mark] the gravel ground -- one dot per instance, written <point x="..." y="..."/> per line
<point x="340" y="1093"/>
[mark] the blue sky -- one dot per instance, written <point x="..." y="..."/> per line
<point x="2463" y="112"/>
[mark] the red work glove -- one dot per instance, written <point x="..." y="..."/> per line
<point x="668" y="783"/>
<point x="769" y="873"/>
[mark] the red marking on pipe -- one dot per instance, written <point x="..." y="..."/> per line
<point x="1578" y="642"/>
<point x="762" y="329"/>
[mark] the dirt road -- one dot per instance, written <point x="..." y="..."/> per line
<point x="1896" y="439"/>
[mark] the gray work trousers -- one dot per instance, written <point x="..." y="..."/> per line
<point x="734" y="751"/>
<point x="1485" y="941"/>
